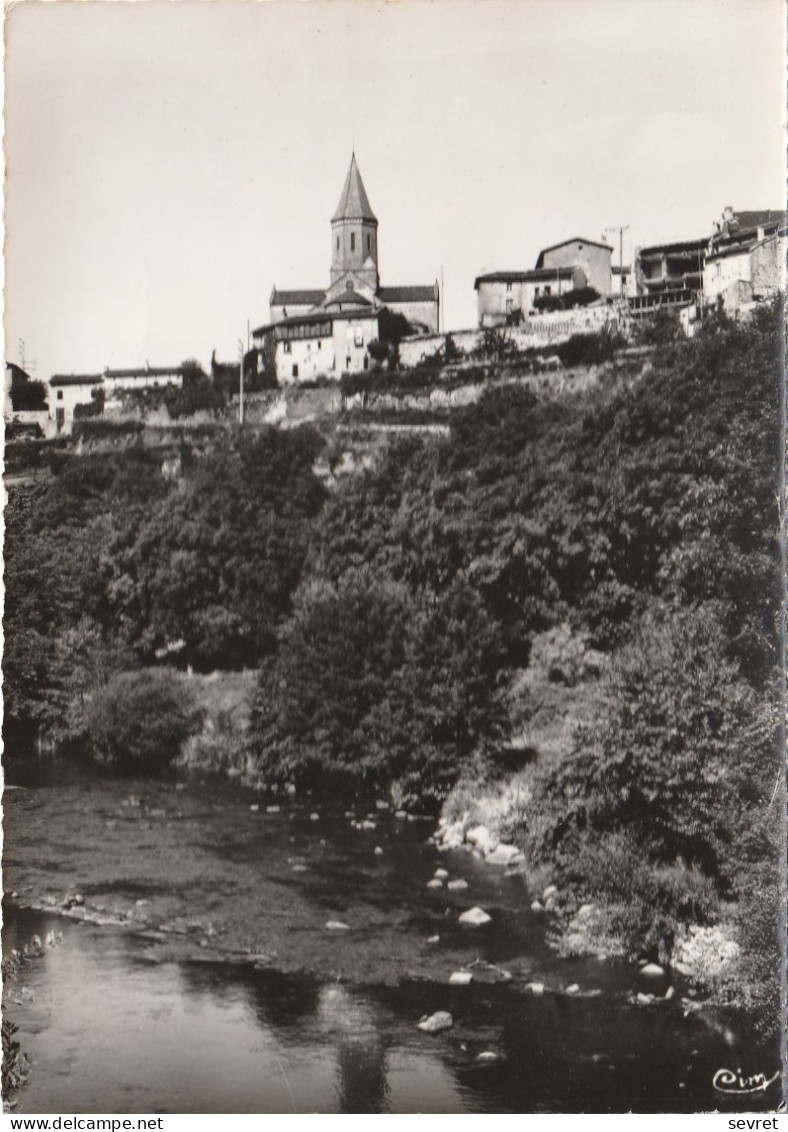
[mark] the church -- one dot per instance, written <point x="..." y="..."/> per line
<point x="317" y="333"/>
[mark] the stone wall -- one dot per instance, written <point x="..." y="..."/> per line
<point x="535" y="332"/>
<point x="767" y="266"/>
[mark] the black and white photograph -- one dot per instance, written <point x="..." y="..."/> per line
<point x="393" y="560"/>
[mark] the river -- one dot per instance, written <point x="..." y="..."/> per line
<point x="194" y="971"/>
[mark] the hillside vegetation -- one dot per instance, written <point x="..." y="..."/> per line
<point x="397" y="619"/>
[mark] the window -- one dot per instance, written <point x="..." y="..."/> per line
<point x="509" y="306"/>
<point x="547" y="289"/>
<point x="337" y="243"/>
<point x="366" y="362"/>
<point x="508" y="286"/>
<point x="352" y="241"/>
<point x="369" y="242"/>
<point x="60" y="394"/>
<point x="295" y="371"/>
<point x="288" y="349"/>
<point x="536" y="292"/>
<point x="319" y="344"/>
<point x="349" y="285"/>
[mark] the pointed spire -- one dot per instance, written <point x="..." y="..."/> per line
<point x="354" y="202"/>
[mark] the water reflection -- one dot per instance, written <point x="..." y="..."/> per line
<point x="353" y="1025"/>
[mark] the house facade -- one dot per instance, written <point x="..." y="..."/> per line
<point x="569" y="266"/>
<point x="67" y="391"/>
<point x="746" y="258"/>
<point x="296" y="339"/>
<point x="588" y="256"/>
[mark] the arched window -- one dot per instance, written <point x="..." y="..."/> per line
<point x="352" y="241"/>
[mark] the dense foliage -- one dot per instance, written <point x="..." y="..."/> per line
<point x="388" y="614"/>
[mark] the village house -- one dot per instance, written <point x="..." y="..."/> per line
<point x="569" y="266"/>
<point x="745" y="262"/>
<point x="69" y="391"/>
<point x="316" y="333"/>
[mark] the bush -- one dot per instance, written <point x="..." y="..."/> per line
<point x="139" y="720"/>
<point x="372" y="689"/>
<point x="589" y="349"/>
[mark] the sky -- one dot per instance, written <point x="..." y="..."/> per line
<point x="168" y="163"/>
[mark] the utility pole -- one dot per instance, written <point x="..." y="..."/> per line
<point x="241" y="380"/>
<point x="442" y="326"/>
<point x="27" y="366"/>
<point x="621" y="229"/>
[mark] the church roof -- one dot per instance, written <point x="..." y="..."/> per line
<point x="354" y="202"/>
<point x="407" y="294"/>
<point x="302" y="298"/>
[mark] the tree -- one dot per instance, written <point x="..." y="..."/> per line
<point x="27" y="395"/>
<point x="139" y="720"/>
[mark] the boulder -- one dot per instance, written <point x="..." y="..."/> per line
<point x="537" y="906"/>
<point x="378" y="851"/>
<point x="436" y="882"/>
<point x="551" y="890"/>
<point x="314" y="817"/>
<point x="503" y="854"/>
<point x="433" y="939"/>
<point x="401" y="814"/>
<point x="441" y="874"/>
<point x="481" y="838"/>
<point x="486" y="1057"/>
<point x="367" y="824"/>
<point x="460" y="978"/>
<point x="337" y="926"/>
<point x="584" y="911"/>
<point x="381" y="805"/>
<point x="652" y="970"/>
<point x="458" y="885"/>
<point x="535" y="988"/>
<point x="272" y="809"/>
<point x="440" y="1020"/>
<point x="475" y="917"/>
<point x="573" y="989"/>
<point x="254" y="808"/>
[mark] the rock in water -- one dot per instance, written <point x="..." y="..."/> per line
<point x="337" y="926"/>
<point x="486" y="1057"/>
<point x="481" y="838"/>
<point x="652" y="971"/>
<point x="460" y="978"/>
<point x="433" y="939"/>
<point x="436" y="882"/>
<point x="441" y="874"/>
<point x="433" y="1024"/>
<point x="475" y="917"/>
<point x="458" y="885"/>
<point x="504" y="855"/>
<point x="573" y="989"/>
<point x="537" y="906"/>
<point x="535" y="988"/>
<point x="378" y="851"/>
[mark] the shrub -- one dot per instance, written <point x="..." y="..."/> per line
<point x="139" y="720"/>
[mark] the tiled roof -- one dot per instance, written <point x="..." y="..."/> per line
<point x="757" y="219"/>
<point x="536" y="275"/>
<point x="76" y="379"/>
<point x="144" y="371"/>
<point x="354" y="202"/>
<point x="352" y="298"/>
<point x="573" y="240"/>
<point x="408" y="294"/>
<point x="311" y="298"/>
<point x="682" y="246"/>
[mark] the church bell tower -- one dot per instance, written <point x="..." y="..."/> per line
<point x="354" y="232"/>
